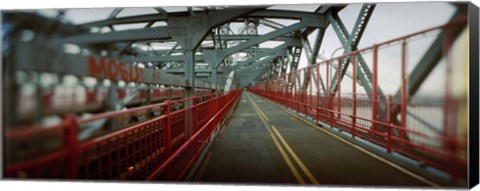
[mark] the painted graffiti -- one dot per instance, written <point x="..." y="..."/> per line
<point x="111" y="69"/>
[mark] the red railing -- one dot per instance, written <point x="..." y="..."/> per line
<point x="160" y="148"/>
<point x="424" y="129"/>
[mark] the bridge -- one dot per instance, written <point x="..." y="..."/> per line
<point x="235" y="94"/>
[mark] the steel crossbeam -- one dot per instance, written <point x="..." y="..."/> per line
<point x="349" y="43"/>
<point x="35" y="57"/>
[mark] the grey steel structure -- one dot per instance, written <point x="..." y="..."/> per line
<point x="203" y="48"/>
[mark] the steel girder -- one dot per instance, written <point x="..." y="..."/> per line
<point x="52" y="27"/>
<point x="349" y="43"/>
<point x="311" y="60"/>
<point x="42" y="58"/>
<point x="188" y="38"/>
<point x="176" y="25"/>
<point x="197" y="70"/>
<point x="283" y="66"/>
<point x="189" y="31"/>
<point x="281" y="14"/>
<point x="199" y="57"/>
<point x="278" y="49"/>
<point x="248" y="68"/>
<point x="178" y="28"/>
<point x="270" y="23"/>
<point x="252" y="76"/>
<point x="296" y="52"/>
<point x="173" y="30"/>
<point x="162" y="58"/>
<point x="238" y="37"/>
<point x="220" y="55"/>
<point x="430" y="59"/>
<point x="155" y="33"/>
<point x="425" y="66"/>
<point x="258" y="64"/>
<point x="313" y="56"/>
<point x="127" y="20"/>
<point x="317" y="45"/>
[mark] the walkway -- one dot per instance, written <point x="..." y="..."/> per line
<point x="266" y="144"/>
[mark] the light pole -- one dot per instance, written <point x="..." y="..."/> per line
<point x="331" y="56"/>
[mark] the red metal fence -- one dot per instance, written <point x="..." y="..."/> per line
<point x="424" y="129"/>
<point x="160" y="148"/>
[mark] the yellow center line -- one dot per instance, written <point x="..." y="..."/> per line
<point x="261" y="112"/>
<point x="258" y="112"/>
<point x="255" y="106"/>
<point x="258" y="109"/>
<point x="290" y="165"/>
<point x="296" y="158"/>
<point x="418" y="177"/>
<point x="287" y="160"/>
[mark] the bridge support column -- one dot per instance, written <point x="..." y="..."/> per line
<point x="214" y="78"/>
<point x="189" y="90"/>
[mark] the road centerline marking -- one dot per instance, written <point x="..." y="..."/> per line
<point x="295" y="157"/>
<point x="418" y="177"/>
<point x="290" y="165"/>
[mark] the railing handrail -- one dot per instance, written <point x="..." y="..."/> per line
<point x="70" y="152"/>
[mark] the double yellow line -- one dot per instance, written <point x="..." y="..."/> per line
<point x="276" y="136"/>
<point x="418" y="177"/>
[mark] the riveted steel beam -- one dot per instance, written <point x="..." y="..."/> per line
<point x="280" y="14"/>
<point x="267" y="60"/>
<point x="317" y="45"/>
<point x="311" y="60"/>
<point x="219" y="56"/>
<point x="253" y="75"/>
<point x="280" y="49"/>
<point x="163" y="58"/>
<point x="430" y="59"/>
<point x="42" y="58"/>
<point x="154" y="33"/>
<point x="127" y="20"/>
<point x="238" y="37"/>
<point x="364" y="73"/>
<point x="189" y="31"/>
<point x="197" y="70"/>
<point x="164" y="55"/>
<point x="296" y="52"/>
<point x="198" y="26"/>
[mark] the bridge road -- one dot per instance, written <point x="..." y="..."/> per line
<point x="265" y="144"/>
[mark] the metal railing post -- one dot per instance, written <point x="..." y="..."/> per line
<point x="167" y="134"/>
<point x="354" y="96"/>
<point x="339" y="85"/>
<point x="71" y="143"/>
<point x="195" y="114"/>
<point x="389" y="118"/>
<point x="318" y="93"/>
<point x="374" y="87"/>
<point x="404" y="91"/>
